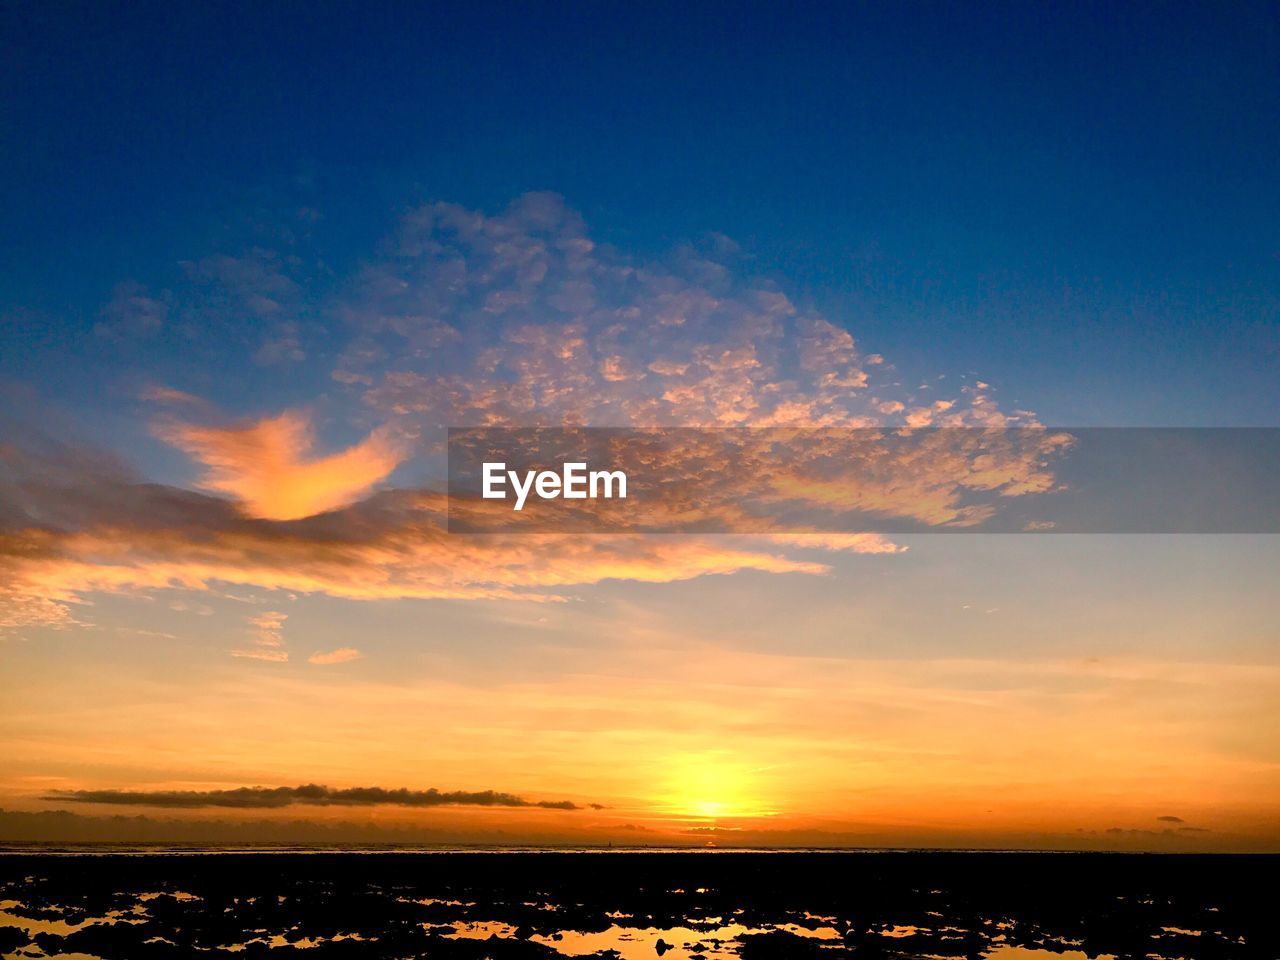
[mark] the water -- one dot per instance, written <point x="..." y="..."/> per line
<point x="113" y="905"/>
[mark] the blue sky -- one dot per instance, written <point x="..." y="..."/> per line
<point x="1077" y="202"/>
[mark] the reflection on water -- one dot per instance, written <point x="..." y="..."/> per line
<point x="529" y="906"/>
<point x="474" y="930"/>
<point x="632" y="943"/>
<point x="14" y="914"/>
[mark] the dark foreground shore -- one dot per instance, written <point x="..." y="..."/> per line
<point x="541" y="906"/>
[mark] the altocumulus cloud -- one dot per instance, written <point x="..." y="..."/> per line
<point x="311" y="794"/>
<point x="513" y="319"/>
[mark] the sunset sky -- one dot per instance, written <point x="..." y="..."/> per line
<point x="254" y="271"/>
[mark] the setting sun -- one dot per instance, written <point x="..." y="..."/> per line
<point x="712" y="786"/>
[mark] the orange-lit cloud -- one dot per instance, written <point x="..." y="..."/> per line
<point x="521" y="319"/>
<point x="266" y="639"/>
<point x="340" y="655"/>
<point x="115" y="535"/>
<point x="267" y="465"/>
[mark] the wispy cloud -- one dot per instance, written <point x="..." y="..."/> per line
<point x="259" y="798"/>
<point x="132" y="312"/>
<point x="266" y="638"/>
<point x="258" y="653"/>
<point x="256" y="283"/>
<point x="340" y="655"/>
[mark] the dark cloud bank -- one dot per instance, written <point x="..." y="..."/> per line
<point x="271" y="798"/>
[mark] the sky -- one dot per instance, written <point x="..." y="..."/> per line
<point x="257" y="261"/>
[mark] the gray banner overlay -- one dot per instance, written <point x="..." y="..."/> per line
<point x="875" y="480"/>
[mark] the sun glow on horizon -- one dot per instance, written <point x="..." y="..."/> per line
<point x="712" y="786"/>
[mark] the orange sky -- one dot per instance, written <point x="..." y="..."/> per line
<point x="670" y="733"/>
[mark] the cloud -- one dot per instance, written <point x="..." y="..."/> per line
<point x="96" y="529"/>
<point x="283" y="346"/>
<point x="340" y="655"/>
<point x="1167" y="832"/>
<point x="518" y="318"/>
<point x="267" y="638"/>
<point x="1171" y="820"/>
<point x="19" y="610"/>
<point x="311" y="794"/>
<point x="74" y="522"/>
<point x="270" y="628"/>
<point x="267" y="464"/>
<point x="132" y="313"/>
<point x="158" y="393"/>
<point x="270" y="656"/>
<point x="256" y="283"/>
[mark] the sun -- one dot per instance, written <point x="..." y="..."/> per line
<point x="711" y="786"/>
